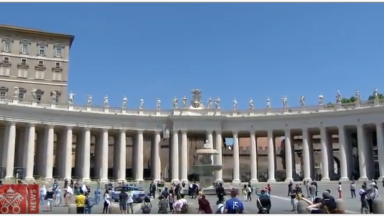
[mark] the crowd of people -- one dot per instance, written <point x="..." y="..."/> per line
<point x="304" y="198"/>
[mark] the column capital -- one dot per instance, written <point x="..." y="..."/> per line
<point x="68" y="127"/>
<point x="122" y="130"/>
<point x="184" y="131"/>
<point x="11" y="123"/>
<point x="158" y="132"/>
<point x="31" y="124"/>
<point x="140" y="131"/>
<point x="235" y="133"/>
<point x="49" y="126"/>
<point x="86" y="128"/>
<point x="104" y="129"/>
<point x="209" y="131"/>
<point x="218" y="131"/>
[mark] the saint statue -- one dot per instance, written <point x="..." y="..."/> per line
<point x="234" y="104"/>
<point x="89" y="102"/>
<point x="217" y="103"/>
<point x="321" y="99"/>
<point x="141" y="104"/>
<point x="268" y="103"/>
<point x="175" y="103"/>
<point x="251" y="104"/>
<point x="71" y="98"/>
<point x="302" y="100"/>
<point x="285" y="102"/>
<point x="209" y="103"/>
<point x="125" y="102"/>
<point x="106" y="101"/>
<point x="158" y="104"/>
<point x="184" y="101"/>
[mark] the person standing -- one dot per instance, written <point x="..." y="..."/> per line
<point x="107" y="202"/>
<point x="129" y="202"/>
<point x="88" y="204"/>
<point x="234" y="205"/>
<point x="80" y="203"/>
<point x="353" y="189"/>
<point x="123" y="201"/>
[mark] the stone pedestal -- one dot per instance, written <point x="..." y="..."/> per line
<point x="206" y="181"/>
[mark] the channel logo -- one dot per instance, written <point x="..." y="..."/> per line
<point x="19" y="199"/>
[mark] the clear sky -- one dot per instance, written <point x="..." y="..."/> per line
<point x="242" y="51"/>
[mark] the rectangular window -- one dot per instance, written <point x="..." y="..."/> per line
<point x="38" y="98"/>
<point x="39" y="74"/>
<point x="23" y="73"/>
<point x="4" y="71"/>
<point x="57" y="76"/>
<point x="6" y="46"/>
<point x="23" y="61"/>
<point x="3" y="94"/>
<point x="41" y="50"/>
<point x="21" y="95"/>
<point x="58" y="52"/>
<point x="24" y="49"/>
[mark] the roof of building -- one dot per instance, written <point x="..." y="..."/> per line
<point x="37" y="31"/>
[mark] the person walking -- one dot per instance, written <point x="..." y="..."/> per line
<point x="80" y="203"/>
<point x="107" y="202"/>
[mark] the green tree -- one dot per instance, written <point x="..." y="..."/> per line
<point x="372" y="97"/>
<point x="348" y="100"/>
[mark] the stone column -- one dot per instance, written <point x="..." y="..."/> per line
<point x="236" y="159"/>
<point x="343" y="155"/>
<point x="60" y="154"/>
<point x="19" y="151"/>
<point x="324" y="154"/>
<point x="361" y="152"/>
<point x="79" y="158"/>
<point x="175" y="156"/>
<point x="219" y="157"/>
<point x="116" y="155"/>
<point x="140" y="156"/>
<point x="48" y="146"/>
<point x="331" y="160"/>
<point x="380" y="149"/>
<point x="306" y="156"/>
<point x="86" y="154"/>
<point x="209" y="138"/>
<point x="288" y="156"/>
<point x="39" y="149"/>
<point x="122" y="166"/>
<point x="155" y="157"/>
<point x="99" y="154"/>
<point x="9" y="154"/>
<point x="104" y="158"/>
<point x="184" y="157"/>
<point x="253" y="158"/>
<point x="271" y="157"/>
<point x="30" y="150"/>
<point x="68" y="153"/>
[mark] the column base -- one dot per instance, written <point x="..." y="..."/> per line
<point x="380" y="178"/>
<point x="103" y="181"/>
<point x="139" y="180"/>
<point x="219" y="181"/>
<point x="236" y="181"/>
<point x="9" y="178"/>
<point x="325" y="179"/>
<point x="48" y="179"/>
<point x="121" y="180"/>
<point x="254" y="181"/>
<point x="271" y="180"/>
<point x="86" y="180"/>
<point x="344" y="179"/>
<point x="363" y="178"/>
<point x="30" y="179"/>
<point x="288" y="180"/>
<point x="175" y="181"/>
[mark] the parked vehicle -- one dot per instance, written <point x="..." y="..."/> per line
<point x="138" y="193"/>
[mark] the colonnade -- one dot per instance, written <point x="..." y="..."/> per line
<point x="178" y="152"/>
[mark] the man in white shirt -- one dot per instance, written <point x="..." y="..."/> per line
<point x="130" y="202"/>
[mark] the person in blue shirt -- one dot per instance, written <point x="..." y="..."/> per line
<point x="234" y="205"/>
<point x="97" y="196"/>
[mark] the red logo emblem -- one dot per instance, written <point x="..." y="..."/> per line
<point x="19" y="199"/>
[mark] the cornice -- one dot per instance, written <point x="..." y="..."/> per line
<point x="83" y="116"/>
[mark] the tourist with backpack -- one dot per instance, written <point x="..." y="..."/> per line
<point x="89" y="203"/>
<point x="163" y="205"/>
<point x="220" y="206"/>
<point x="146" y="206"/>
